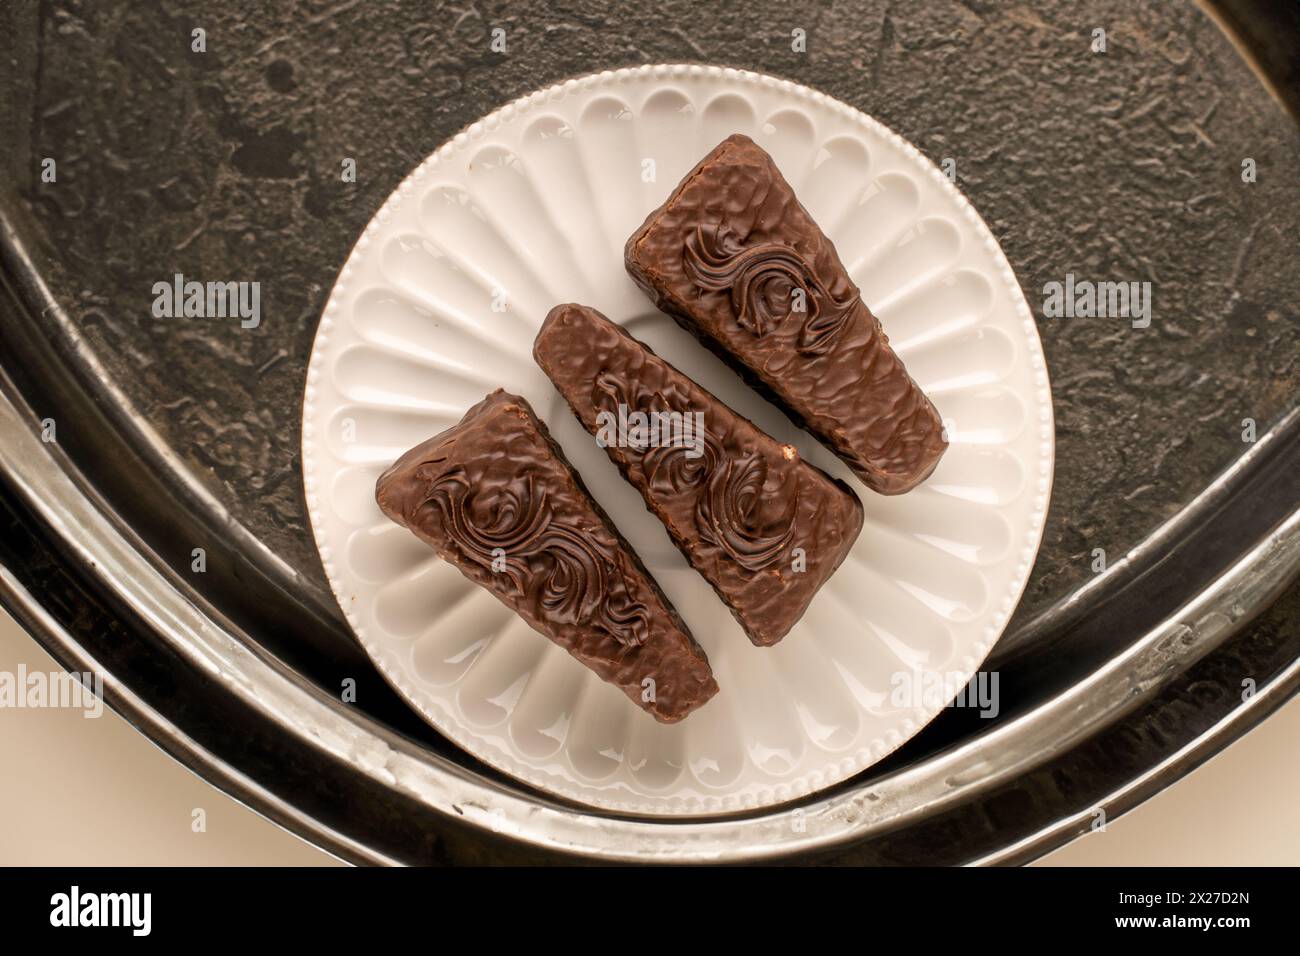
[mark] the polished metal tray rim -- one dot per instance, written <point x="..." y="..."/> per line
<point x="1191" y="755"/>
<point x="858" y="811"/>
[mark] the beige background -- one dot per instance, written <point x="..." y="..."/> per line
<point x="80" y="791"/>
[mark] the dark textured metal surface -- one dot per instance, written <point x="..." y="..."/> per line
<point x="226" y="165"/>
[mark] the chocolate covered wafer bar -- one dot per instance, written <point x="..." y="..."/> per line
<point x="739" y="263"/>
<point x="765" y="528"/>
<point x="494" y="496"/>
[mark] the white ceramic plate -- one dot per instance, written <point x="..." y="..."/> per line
<point x="530" y="207"/>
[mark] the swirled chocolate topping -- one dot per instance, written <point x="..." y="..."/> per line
<point x="769" y="284"/>
<point x="495" y="497"/>
<point x="762" y="526"/>
<point x="740" y="264"/>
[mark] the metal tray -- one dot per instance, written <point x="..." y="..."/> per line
<point x="181" y="434"/>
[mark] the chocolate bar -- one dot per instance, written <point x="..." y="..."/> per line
<point x="740" y="264"/>
<point x="765" y="528"/>
<point x="494" y="496"/>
